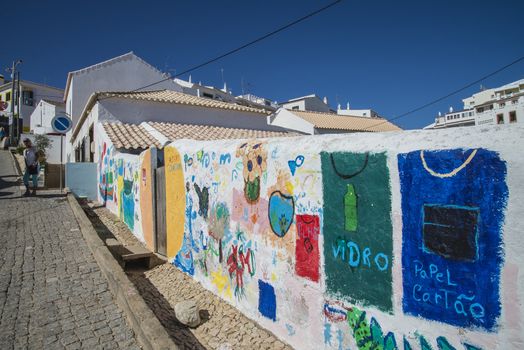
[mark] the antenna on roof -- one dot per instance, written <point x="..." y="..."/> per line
<point x="242" y="84"/>
<point x="222" y="72"/>
<point x="190" y="78"/>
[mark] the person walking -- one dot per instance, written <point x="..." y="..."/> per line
<point x="31" y="167"/>
<point x="2" y="138"/>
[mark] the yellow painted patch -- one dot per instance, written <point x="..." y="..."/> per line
<point x="175" y="201"/>
<point x="146" y="199"/>
<point x="222" y="283"/>
<point x="289" y="187"/>
<point x="273" y="277"/>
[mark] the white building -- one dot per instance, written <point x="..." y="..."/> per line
<point x="123" y="73"/>
<point x="160" y="106"/>
<point x="502" y="105"/>
<point x="44" y="112"/>
<point x="307" y="103"/>
<point x="199" y="90"/>
<point x="31" y="94"/>
<point x="368" y="113"/>
<point x="506" y="107"/>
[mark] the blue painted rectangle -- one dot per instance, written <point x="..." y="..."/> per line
<point x="453" y="207"/>
<point x="81" y="179"/>
<point x="267" y="304"/>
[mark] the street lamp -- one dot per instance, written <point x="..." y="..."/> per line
<point x="11" y="117"/>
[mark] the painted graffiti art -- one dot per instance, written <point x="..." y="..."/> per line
<point x="453" y="205"/>
<point x="357" y="228"/>
<point x="307" y="254"/>
<point x="254" y="158"/>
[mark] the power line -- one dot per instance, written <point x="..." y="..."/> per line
<point x="450" y="94"/>
<point x="301" y="19"/>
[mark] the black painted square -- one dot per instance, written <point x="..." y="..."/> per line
<point x="451" y="231"/>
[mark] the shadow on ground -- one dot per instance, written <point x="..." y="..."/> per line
<point x="179" y="333"/>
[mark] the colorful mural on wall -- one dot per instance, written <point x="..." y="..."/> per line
<point x="119" y="186"/>
<point x="333" y="248"/>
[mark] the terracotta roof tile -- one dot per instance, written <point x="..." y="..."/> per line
<point x="352" y="123"/>
<point x="129" y="136"/>
<point x="174" y="131"/>
<point x="168" y="96"/>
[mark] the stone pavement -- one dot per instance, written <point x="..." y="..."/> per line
<point x="163" y="286"/>
<point x="52" y="292"/>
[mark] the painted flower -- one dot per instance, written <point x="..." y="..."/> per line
<point x="254" y="159"/>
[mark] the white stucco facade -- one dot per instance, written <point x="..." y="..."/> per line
<point x="136" y="112"/>
<point x="124" y="73"/>
<point x="41" y="117"/>
<point x="31" y="94"/>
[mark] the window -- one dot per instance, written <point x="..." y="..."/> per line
<point x="8" y="96"/>
<point x="207" y="95"/>
<point x="514" y="102"/>
<point x="27" y="98"/>
<point x="480" y="109"/>
<point x="500" y="118"/>
<point x="513" y="116"/>
<point x="295" y="108"/>
<point x="502" y="104"/>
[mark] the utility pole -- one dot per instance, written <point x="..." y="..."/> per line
<point x="19" y="105"/>
<point x="12" y="116"/>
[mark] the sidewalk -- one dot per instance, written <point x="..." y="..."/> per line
<point x="52" y="293"/>
<point x="223" y="328"/>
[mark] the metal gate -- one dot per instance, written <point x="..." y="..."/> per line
<point x="160" y="211"/>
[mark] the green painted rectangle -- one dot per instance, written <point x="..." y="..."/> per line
<point x="358" y="242"/>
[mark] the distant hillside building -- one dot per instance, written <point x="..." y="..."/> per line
<point x="502" y="105"/>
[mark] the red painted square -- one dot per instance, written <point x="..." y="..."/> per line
<point x="307" y="254"/>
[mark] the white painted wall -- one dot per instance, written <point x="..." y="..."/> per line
<point x="300" y="303"/>
<point x="308" y="103"/>
<point x="42" y="116"/>
<point x="128" y="72"/>
<point x="286" y="119"/>
<point x="131" y="111"/>
<point x="124" y="74"/>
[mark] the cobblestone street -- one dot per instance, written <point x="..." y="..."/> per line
<point x="52" y="292"/>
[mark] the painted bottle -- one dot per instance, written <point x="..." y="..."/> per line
<point x="350" y="209"/>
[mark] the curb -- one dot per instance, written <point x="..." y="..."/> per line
<point x="149" y="331"/>
<point x="17" y="166"/>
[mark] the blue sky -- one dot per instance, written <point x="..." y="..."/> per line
<point x="391" y="56"/>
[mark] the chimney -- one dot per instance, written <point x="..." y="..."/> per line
<point x="190" y="79"/>
<point x="325" y="100"/>
<point x="450" y="109"/>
